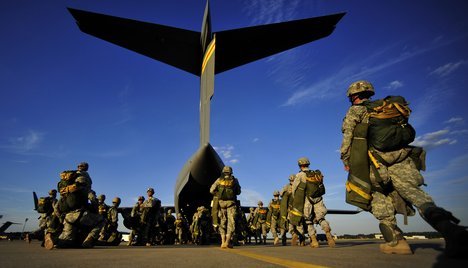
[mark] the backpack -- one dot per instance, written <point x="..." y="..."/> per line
<point x="389" y="129"/>
<point x="44" y="205"/>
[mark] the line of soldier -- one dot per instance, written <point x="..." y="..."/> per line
<point x="380" y="178"/>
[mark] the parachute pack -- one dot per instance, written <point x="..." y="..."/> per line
<point x="388" y="123"/>
<point x="44" y="205"/>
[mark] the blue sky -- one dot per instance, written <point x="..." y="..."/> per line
<point x="68" y="97"/>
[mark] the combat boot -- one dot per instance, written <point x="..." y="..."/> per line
<point x="455" y="236"/>
<point x="228" y="241"/>
<point x="48" y="241"/>
<point x="294" y="240"/>
<point x="330" y="240"/>
<point x="264" y="239"/>
<point x="313" y="242"/>
<point x="223" y="242"/>
<point x="88" y="243"/>
<point x="276" y="242"/>
<point x="283" y="240"/>
<point x="401" y="248"/>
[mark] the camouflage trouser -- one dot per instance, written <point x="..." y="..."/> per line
<point x="273" y="226"/>
<point x="406" y="180"/>
<point x="227" y="214"/>
<point x="179" y="233"/>
<point x="314" y="213"/>
<point x="262" y="228"/>
<point x="81" y="220"/>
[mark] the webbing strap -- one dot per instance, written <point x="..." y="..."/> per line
<point x="351" y="187"/>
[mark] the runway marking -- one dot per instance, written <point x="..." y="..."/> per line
<point x="273" y="260"/>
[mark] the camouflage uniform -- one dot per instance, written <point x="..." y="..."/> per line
<point x="229" y="185"/>
<point x="251" y="227"/>
<point x="286" y="225"/>
<point x="314" y="211"/>
<point x="149" y="217"/>
<point x="399" y="171"/>
<point x="180" y="229"/>
<point x="260" y="222"/>
<point x="136" y="215"/>
<point x="274" y="216"/>
<point x="83" y="222"/>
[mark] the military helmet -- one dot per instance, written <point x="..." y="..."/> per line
<point x="227" y="169"/>
<point x="142" y="198"/>
<point x="303" y="161"/>
<point x="276" y="193"/>
<point x="53" y="192"/>
<point x="101" y="197"/>
<point x="260" y="203"/>
<point x="169" y="211"/>
<point x="360" y="86"/>
<point x="83" y="166"/>
<point x="150" y="190"/>
<point x="116" y="200"/>
<point x="292" y="177"/>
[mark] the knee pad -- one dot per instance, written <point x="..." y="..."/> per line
<point x="388" y="233"/>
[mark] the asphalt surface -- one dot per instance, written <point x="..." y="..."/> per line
<point x="347" y="253"/>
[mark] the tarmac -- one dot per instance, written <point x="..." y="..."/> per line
<point x="347" y="253"/>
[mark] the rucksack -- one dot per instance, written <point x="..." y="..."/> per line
<point x="389" y="129"/>
<point x="44" y="205"/>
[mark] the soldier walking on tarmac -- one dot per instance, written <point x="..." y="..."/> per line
<point x="394" y="174"/>
<point x="226" y="189"/>
<point x="308" y="190"/>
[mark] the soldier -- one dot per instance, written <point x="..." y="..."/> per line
<point x="170" y="227"/>
<point x="286" y="206"/>
<point x="273" y="217"/>
<point x="308" y="190"/>
<point x="75" y="190"/>
<point x="112" y="234"/>
<point x="150" y="216"/>
<point x="102" y="210"/>
<point x="226" y="188"/>
<point x="260" y="222"/>
<point x="251" y="226"/>
<point x="135" y="215"/>
<point x="400" y="169"/>
<point x="46" y="205"/>
<point x="180" y="229"/>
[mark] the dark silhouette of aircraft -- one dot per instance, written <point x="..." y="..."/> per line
<point x="204" y="54"/>
<point x="5" y="226"/>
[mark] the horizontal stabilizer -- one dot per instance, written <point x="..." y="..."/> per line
<point x="241" y="46"/>
<point x="174" y="46"/>
<point x="182" y="48"/>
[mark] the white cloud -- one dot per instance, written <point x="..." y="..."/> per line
<point x="25" y="143"/>
<point x="434" y="139"/>
<point x="255" y="140"/>
<point x="227" y="154"/>
<point x="448" y="68"/>
<point x="263" y="12"/>
<point x="455" y="120"/>
<point x="394" y="85"/>
<point x="250" y="197"/>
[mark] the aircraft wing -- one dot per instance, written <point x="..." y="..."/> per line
<point x="174" y="46"/>
<point x="240" y="46"/>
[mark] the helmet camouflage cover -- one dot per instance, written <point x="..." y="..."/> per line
<point x="276" y="193"/>
<point x="116" y="200"/>
<point x="303" y="161"/>
<point x="101" y="197"/>
<point x="360" y="86"/>
<point x="227" y="169"/>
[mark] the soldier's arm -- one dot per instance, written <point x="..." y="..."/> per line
<point x="214" y="187"/>
<point x="353" y="117"/>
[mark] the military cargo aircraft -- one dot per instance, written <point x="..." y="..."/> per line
<point x="204" y="54"/>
